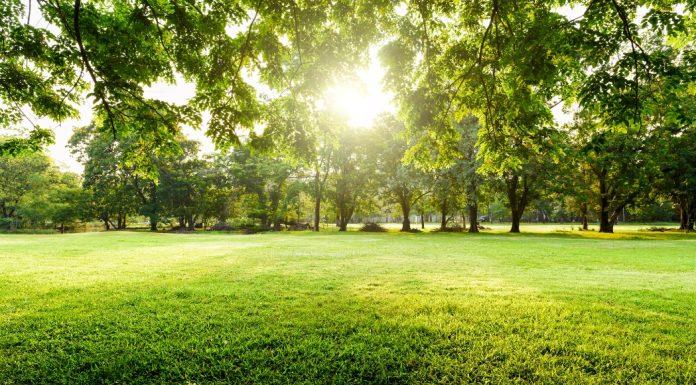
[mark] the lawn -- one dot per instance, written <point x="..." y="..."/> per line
<point x="552" y="307"/>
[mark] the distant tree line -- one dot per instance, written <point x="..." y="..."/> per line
<point x="478" y="87"/>
<point x="354" y="175"/>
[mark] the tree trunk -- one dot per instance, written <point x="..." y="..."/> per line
<point x="517" y="202"/>
<point x="317" y="211"/>
<point x="107" y="224"/>
<point x="473" y="218"/>
<point x="422" y="217"/>
<point x="153" y="222"/>
<point x="683" y="217"/>
<point x="406" y="212"/>
<point x="515" y="221"/>
<point x="585" y="227"/>
<point x="443" y="212"/>
<point x="606" y="225"/>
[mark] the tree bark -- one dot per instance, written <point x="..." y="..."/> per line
<point x="443" y="212"/>
<point x="317" y="210"/>
<point x="683" y="218"/>
<point x="406" y="212"/>
<point x="473" y="218"/>
<point x="344" y="214"/>
<point x="515" y="228"/>
<point x="153" y="222"/>
<point x="605" y="223"/>
<point x="422" y="218"/>
<point x="583" y="215"/>
<point x="191" y="222"/>
<point x="517" y="202"/>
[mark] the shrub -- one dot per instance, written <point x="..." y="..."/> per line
<point x="452" y="229"/>
<point x="372" y="227"/>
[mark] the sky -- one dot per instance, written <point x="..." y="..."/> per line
<point x="361" y="103"/>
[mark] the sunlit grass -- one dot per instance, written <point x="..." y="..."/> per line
<point x="546" y="306"/>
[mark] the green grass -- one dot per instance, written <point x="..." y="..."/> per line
<point x="129" y="307"/>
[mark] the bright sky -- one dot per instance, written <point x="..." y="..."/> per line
<point x="360" y="101"/>
<point x="364" y="99"/>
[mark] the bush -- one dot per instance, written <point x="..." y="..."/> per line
<point x="243" y="225"/>
<point x="221" y="226"/>
<point x="659" y="229"/>
<point x="298" y="226"/>
<point x="372" y="227"/>
<point x="452" y="229"/>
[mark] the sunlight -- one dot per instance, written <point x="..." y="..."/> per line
<point x="362" y="99"/>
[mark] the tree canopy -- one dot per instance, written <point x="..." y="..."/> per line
<point x="580" y="102"/>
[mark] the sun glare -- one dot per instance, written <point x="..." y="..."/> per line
<point x="362" y="100"/>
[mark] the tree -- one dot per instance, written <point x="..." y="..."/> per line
<point x="628" y="85"/>
<point x="181" y="184"/>
<point x="265" y="178"/>
<point x="498" y="61"/>
<point x="21" y="175"/>
<point x="105" y="178"/>
<point x="352" y="180"/>
<point x="66" y="201"/>
<point x="401" y="183"/>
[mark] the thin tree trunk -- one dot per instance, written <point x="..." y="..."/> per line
<point x="583" y="212"/>
<point x="422" y="217"/>
<point x="515" y="209"/>
<point x="585" y="226"/>
<point x="317" y="211"/>
<point x="443" y="212"/>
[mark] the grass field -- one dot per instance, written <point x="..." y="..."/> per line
<point x="551" y="307"/>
